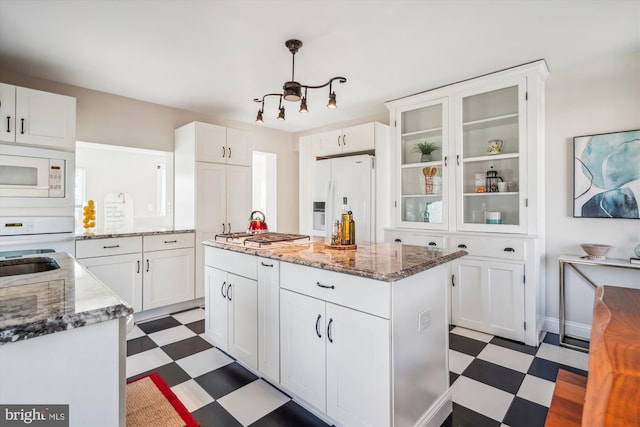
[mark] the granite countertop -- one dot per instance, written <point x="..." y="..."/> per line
<point x="139" y="231"/>
<point x="379" y="261"/>
<point x="43" y="303"/>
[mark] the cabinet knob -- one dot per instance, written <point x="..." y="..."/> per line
<point x="462" y="246"/>
<point x="509" y="250"/>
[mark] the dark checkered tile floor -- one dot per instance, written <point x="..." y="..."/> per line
<point x="495" y="382"/>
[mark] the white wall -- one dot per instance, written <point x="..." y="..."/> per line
<point x="592" y="98"/>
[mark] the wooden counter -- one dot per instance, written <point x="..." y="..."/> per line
<point x="613" y="388"/>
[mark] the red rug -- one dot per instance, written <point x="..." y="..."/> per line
<point x="150" y="402"/>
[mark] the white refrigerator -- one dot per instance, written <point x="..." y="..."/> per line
<point x="352" y="177"/>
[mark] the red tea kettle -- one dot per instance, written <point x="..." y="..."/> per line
<point x="257" y="223"/>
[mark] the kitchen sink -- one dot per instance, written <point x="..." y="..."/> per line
<point x="15" y="267"/>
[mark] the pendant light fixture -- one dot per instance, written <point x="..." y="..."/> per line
<point x="292" y="90"/>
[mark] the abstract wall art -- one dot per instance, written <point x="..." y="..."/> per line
<point x="606" y="175"/>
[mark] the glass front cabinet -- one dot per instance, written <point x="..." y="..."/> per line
<point x="467" y="166"/>
<point x="484" y="175"/>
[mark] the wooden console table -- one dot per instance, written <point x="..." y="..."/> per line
<point x="573" y="261"/>
<point x="610" y="395"/>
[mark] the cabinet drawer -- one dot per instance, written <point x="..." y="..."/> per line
<point x="232" y="262"/>
<point x="161" y="242"/>
<point x="408" y="238"/>
<point x="106" y="247"/>
<point x="487" y="247"/>
<point x="368" y="295"/>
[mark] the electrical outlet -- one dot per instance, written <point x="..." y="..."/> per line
<point x="424" y="320"/>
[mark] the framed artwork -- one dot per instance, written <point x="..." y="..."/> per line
<point x="606" y="175"/>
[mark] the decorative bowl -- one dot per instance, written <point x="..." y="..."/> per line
<point x="595" y="250"/>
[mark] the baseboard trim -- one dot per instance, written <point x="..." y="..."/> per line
<point x="167" y="309"/>
<point x="552" y="324"/>
<point x="439" y="411"/>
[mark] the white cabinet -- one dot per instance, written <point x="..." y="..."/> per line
<point x="336" y="358"/>
<point x="467" y="121"/>
<point x="35" y="117"/>
<point x="269" y="318"/>
<point x="145" y="271"/>
<point x="212" y="167"/>
<point x="117" y="262"/>
<point x="168" y="269"/>
<point x="231" y="303"/>
<point x="333" y="356"/>
<point x="348" y="140"/>
<point x="489" y="296"/>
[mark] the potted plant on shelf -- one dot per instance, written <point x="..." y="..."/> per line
<point x="426" y="148"/>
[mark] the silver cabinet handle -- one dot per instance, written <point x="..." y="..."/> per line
<point x="111" y="247"/>
<point x="265" y="265"/>
<point x="222" y="290"/>
<point x="325" y="286"/>
<point x="147" y="265"/>
<point x="329" y="330"/>
<point x="317" y="323"/>
<point x="171" y="241"/>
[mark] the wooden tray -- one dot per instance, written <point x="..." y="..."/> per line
<point x="340" y="247"/>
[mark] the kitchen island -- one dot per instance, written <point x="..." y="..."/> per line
<point x="360" y="336"/>
<point x="62" y="341"/>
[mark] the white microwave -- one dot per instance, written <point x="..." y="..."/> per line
<point x="31" y="177"/>
<point x="22" y="176"/>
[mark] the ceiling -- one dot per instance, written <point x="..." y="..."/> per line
<point x="214" y="57"/>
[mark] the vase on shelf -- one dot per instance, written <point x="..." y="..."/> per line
<point x="426" y="158"/>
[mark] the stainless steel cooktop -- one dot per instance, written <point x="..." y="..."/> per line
<point x="259" y="240"/>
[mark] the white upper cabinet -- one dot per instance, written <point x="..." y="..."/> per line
<point x="35" y="117"/>
<point x="348" y="140"/>
<point x="487" y="175"/>
<point x="218" y="144"/>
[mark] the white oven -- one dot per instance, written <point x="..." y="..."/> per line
<point x="27" y="236"/>
<point x="31" y="177"/>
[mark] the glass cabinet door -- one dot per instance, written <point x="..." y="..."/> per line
<point x="423" y="178"/>
<point x="490" y="165"/>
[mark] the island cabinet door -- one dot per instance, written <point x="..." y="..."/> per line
<point x="242" y="294"/>
<point x="358" y="368"/>
<point x="302" y="347"/>
<point x="216" y="307"/>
